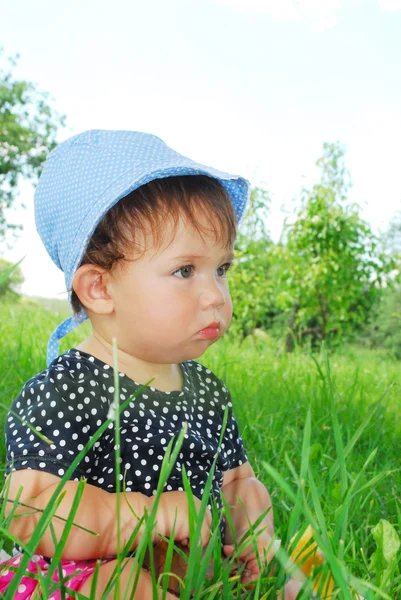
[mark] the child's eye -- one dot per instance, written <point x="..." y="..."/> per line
<point x="222" y="270"/>
<point x="184" y="272"/>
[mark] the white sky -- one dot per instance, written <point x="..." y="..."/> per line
<point x="250" y="86"/>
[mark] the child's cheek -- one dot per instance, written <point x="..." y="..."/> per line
<point x="228" y="307"/>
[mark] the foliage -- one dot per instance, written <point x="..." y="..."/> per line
<point x="329" y="265"/>
<point x="10" y="278"/>
<point x="393" y="235"/>
<point x="28" y="128"/>
<point x="384" y="561"/>
<point x="250" y="286"/>
<point x="384" y="327"/>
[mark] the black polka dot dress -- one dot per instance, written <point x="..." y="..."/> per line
<point x="69" y="401"/>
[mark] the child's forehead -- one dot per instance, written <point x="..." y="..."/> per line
<point x="184" y="233"/>
<point x="182" y="236"/>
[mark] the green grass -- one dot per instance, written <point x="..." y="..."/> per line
<point x="323" y="432"/>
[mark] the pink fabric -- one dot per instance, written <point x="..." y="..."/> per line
<point x="27" y="585"/>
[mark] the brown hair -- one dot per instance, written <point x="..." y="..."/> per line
<point x="149" y="206"/>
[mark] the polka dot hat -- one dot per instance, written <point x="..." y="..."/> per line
<point x="86" y="175"/>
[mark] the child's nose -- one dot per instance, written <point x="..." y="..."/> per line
<point x="213" y="294"/>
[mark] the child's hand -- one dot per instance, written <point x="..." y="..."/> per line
<point x="173" y="508"/>
<point x="265" y="549"/>
<point x="257" y="552"/>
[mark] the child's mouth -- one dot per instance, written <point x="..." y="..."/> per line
<point x="211" y="332"/>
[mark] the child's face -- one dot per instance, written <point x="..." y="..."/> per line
<point x="172" y="302"/>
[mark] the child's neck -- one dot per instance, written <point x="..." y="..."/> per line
<point x="166" y="377"/>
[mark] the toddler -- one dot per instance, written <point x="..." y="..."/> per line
<point x="145" y="238"/>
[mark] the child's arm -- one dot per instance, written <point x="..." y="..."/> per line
<point x="96" y="512"/>
<point x="242" y="487"/>
<point x="248" y="499"/>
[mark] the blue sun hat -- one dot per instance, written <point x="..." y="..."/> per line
<point x="86" y="175"/>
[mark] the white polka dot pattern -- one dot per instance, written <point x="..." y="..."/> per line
<point x="70" y="400"/>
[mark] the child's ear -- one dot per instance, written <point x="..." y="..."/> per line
<point x="90" y="285"/>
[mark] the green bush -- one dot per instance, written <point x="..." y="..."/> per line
<point x="384" y="328"/>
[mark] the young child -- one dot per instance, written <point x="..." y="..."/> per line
<point x="145" y="239"/>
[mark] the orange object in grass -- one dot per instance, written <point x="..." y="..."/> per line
<point x="308" y="556"/>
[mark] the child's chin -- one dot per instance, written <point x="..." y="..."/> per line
<point x="201" y="349"/>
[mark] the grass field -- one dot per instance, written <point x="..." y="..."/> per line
<point x="323" y="433"/>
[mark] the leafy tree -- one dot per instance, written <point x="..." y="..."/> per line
<point x="28" y="128"/>
<point x="329" y="265"/>
<point x="393" y="235"/>
<point x="384" y="328"/>
<point x="250" y="286"/>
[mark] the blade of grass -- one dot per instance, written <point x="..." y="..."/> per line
<point x="336" y="427"/>
<point x="351" y="444"/>
<point x="293" y="524"/>
<point x="195" y="546"/>
<point x="6" y="273"/>
<point x="343" y="512"/>
<point x="167" y="565"/>
<point x="27" y="424"/>
<point x="59" y="547"/>
<point x="324" y="544"/>
<point x="117" y="463"/>
<point x="204" y="563"/>
<point x="95" y="578"/>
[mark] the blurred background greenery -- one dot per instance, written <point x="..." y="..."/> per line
<point x="329" y="277"/>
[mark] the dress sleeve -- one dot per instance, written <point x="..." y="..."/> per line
<point x="65" y="411"/>
<point x="233" y="444"/>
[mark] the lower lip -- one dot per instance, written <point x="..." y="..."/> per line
<point x="209" y="333"/>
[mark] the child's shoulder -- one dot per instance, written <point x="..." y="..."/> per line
<point x="72" y="365"/>
<point x="73" y="388"/>
<point x="71" y="372"/>
<point x="203" y="377"/>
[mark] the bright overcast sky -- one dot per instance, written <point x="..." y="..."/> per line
<point x="250" y="86"/>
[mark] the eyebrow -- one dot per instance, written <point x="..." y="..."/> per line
<point x="191" y="257"/>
